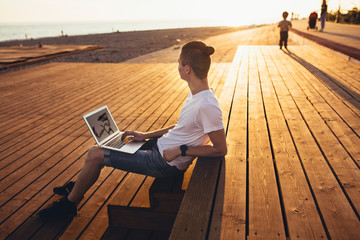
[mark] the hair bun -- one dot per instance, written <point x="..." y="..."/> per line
<point x="210" y="50"/>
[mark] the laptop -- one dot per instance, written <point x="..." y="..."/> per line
<point x="106" y="133"/>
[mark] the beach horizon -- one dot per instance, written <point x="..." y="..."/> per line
<point x="121" y="46"/>
<point x="35" y="30"/>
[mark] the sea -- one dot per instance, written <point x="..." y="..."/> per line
<point x="20" y="31"/>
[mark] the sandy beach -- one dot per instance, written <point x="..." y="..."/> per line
<point x="121" y="46"/>
<point x="145" y="46"/>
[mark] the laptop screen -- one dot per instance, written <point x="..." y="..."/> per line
<point x="101" y="123"/>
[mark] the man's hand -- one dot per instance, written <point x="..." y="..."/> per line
<point x="171" y="153"/>
<point x="133" y="136"/>
<point x="141" y="136"/>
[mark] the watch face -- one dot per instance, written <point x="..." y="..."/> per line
<point x="183" y="149"/>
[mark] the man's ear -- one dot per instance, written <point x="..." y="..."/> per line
<point x="187" y="69"/>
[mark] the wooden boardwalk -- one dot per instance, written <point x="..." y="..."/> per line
<point x="293" y="132"/>
<point x="288" y="172"/>
<point x="22" y="55"/>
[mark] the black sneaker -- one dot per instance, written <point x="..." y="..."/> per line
<point x="60" y="209"/>
<point x="64" y="190"/>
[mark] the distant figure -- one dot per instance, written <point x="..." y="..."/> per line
<point x="312" y="21"/>
<point x="284" y="26"/>
<point x="40" y="45"/>
<point x="323" y="15"/>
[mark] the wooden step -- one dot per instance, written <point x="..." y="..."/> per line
<point x="165" y="196"/>
<point x="140" y="218"/>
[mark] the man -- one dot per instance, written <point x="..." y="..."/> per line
<point x="172" y="149"/>
<point x="323" y="15"/>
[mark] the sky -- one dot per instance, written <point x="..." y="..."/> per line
<point x="231" y="12"/>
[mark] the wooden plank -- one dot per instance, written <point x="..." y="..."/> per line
<point x="142" y="197"/>
<point x="347" y="138"/>
<point x="201" y="209"/>
<point x="229" y="215"/>
<point x="302" y="218"/>
<point x="333" y="206"/>
<point x="340" y="162"/>
<point x="265" y="217"/>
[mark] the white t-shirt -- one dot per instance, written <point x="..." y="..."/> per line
<point x="200" y="115"/>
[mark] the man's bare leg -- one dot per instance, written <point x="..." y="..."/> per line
<point x="94" y="162"/>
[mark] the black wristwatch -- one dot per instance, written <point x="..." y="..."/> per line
<point x="183" y="149"/>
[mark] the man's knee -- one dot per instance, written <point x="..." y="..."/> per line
<point x="95" y="156"/>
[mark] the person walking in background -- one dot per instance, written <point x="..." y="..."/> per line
<point x="284" y="26"/>
<point x="323" y="15"/>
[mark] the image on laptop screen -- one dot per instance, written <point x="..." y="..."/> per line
<point x="101" y="124"/>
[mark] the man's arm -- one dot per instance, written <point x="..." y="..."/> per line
<point x="140" y="136"/>
<point x="217" y="149"/>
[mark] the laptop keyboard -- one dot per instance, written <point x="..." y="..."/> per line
<point x="115" y="142"/>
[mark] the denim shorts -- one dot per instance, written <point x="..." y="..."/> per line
<point x="146" y="161"/>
